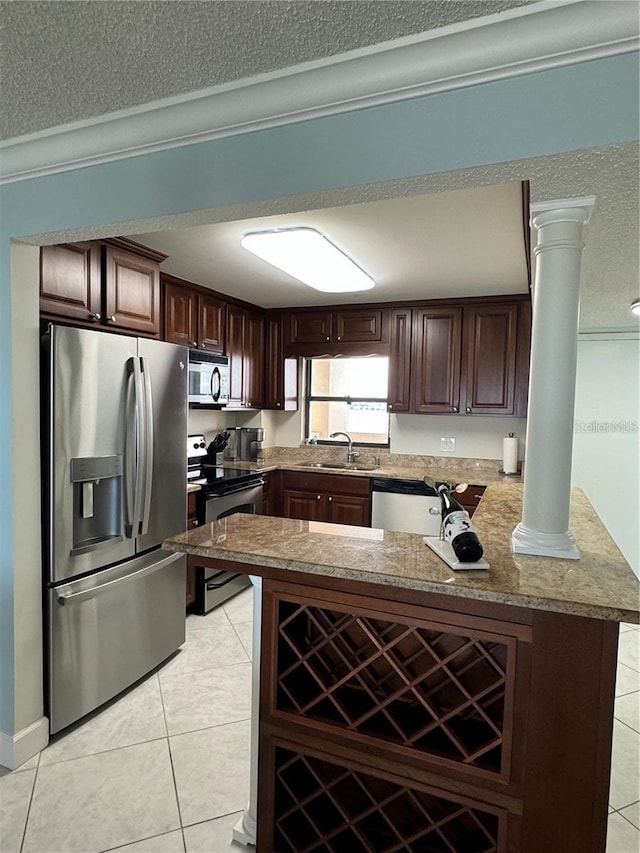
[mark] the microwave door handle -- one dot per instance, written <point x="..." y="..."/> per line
<point x="147" y="455"/>
<point x="215" y="374"/>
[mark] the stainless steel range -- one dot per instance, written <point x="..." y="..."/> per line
<point x="223" y="491"/>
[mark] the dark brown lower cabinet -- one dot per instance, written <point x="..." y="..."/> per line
<point x="325" y="497"/>
<point x="395" y="721"/>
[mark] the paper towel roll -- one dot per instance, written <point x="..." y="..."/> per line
<point x="510" y="454"/>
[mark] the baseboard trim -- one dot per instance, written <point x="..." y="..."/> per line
<point x="23" y="745"/>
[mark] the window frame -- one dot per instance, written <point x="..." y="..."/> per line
<point x="309" y="398"/>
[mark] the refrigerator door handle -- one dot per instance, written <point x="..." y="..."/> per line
<point x="71" y="597"/>
<point x="147" y="456"/>
<point x="134" y="449"/>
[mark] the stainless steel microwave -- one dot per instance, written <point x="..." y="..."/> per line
<point x="208" y="379"/>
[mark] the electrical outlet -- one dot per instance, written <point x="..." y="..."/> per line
<point x="447" y="445"/>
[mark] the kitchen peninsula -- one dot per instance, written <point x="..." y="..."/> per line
<point x="403" y="704"/>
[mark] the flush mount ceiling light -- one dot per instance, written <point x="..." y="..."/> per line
<point x="309" y="256"/>
<point x="635" y="307"/>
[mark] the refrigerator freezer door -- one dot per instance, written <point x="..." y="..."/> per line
<point x="108" y="630"/>
<point x="164" y="478"/>
<point x="85" y="466"/>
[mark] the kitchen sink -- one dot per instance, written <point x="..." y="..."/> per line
<point x="337" y="466"/>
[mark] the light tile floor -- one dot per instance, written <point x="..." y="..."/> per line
<point x="165" y="769"/>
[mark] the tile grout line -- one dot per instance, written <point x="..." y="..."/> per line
<point x="33" y="788"/>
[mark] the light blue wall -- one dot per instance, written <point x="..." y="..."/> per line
<point x="588" y="105"/>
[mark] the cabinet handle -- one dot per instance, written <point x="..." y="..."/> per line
<point x="330" y="498"/>
<point x="318" y="497"/>
<point x="194" y="522"/>
<point x="468" y="408"/>
<point x="339" y="337"/>
<point x="202" y="346"/>
<point x="94" y="317"/>
<point x="194" y="343"/>
<point x="328" y="338"/>
<point x="455" y="408"/>
<point x="278" y="404"/>
<point x="111" y="319"/>
<point x="390" y="406"/>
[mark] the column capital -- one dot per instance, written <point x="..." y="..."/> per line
<point x="562" y="210"/>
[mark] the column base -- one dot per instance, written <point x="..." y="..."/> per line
<point x="560" y="545"/>
<point x="243" y="834"/>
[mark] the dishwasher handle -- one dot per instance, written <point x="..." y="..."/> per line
<point x="395" y="486"/>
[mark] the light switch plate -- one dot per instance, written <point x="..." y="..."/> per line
<point x="447" y="445"/>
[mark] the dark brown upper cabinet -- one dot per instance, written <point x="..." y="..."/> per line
<point x="114" y="283"/>
<point x="468" y="357"/>
<point x="319" y="332"/>
<point x="490" y="359"/>
<point x="281" y="374"/>
<point x="245" y="348"/>
<point x="437" y="336"/>
<point x="193" y="318"/>
<point x="71" y="281"/>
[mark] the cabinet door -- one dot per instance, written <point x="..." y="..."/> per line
<point x="398" y="399"/>
<point x="132" y="291"/>
<point x="281" y="374"/>
<point x="70" y="283"/>
<point x="308" y="506"/>
<point x="309" y="327"/>
<point x="210" y="323"/>
<point x="181" y="315"/>
<point x="235" y="342"/>
<point x="254" y="360"/>
<point x="360" y="325"/>
<point x="349" y="509"/>
<point x="437" y="343"/>
<point x="490" y="358"/>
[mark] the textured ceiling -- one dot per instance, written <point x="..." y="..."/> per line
<point x="66" y="61"/>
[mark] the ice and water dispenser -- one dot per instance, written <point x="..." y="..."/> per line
<point x="97" y="501"/>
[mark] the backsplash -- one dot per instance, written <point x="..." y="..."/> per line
<point x="382" y="458"/>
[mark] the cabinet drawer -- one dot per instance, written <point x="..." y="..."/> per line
<point x="335" y="483"/>
<point x="470" y="498"/>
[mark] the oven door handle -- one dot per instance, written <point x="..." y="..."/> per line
<point x="211" y="585"/>
<point x="232" y="490"/>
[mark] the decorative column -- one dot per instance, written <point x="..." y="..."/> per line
<point x="244" y="832"/>
<point x="544" y="529"/>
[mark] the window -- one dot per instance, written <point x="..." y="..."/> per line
<point x="348" y="395"/>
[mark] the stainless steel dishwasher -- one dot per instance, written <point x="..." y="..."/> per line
<point x="409" y="506"/>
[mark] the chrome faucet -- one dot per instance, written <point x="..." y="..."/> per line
<point x="351" y="453"/>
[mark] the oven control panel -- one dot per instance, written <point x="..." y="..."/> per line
<point x="196" y="447"/>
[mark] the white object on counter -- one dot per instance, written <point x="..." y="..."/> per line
<point x="510" y="454"/>
<point x="444" y="550"/>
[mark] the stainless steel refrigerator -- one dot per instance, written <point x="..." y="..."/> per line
<point x="114" y="487"/>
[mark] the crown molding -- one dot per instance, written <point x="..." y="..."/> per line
<point x="521" y="41"/>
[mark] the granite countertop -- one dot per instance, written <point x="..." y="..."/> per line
<point x="600" y="585"/>
<point x="401" y="466"/>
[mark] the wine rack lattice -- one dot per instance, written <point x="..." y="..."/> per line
<point x="325" y="808"/>
<point x="435" y="691"/>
